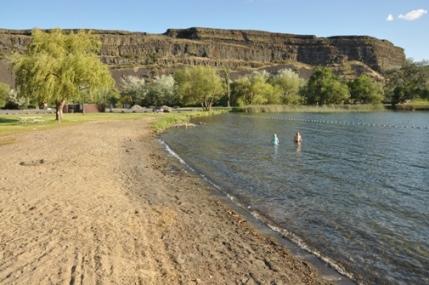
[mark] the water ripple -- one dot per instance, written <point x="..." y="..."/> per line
<point x="355" y="190"/>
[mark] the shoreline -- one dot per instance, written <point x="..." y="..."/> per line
<point x="102" y="203"/>
<point x="328" y="268"/>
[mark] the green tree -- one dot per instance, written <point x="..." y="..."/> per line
<point x="400" y="94"/>
<point x="253" y="89"/>
<point x="365" y="90"/>
<point x="162" y="91"/>
<point x="227" y="82"/>
<point x="261" y="90"/>
<point x="13" y="101"/>
<point x="324" y="87"/>
<point x="4" y="93"/>
<point x="112" y="98"/>
<point x="337" y="92"/>
<point x="288" y="84"/>
<point x="240" y="91"/>
<point x="58" y="66"/>
<point x="199" y="85"/>
<point x="260" y="73"/>
<point x="134" y="88"/>
<point x="409" y="82"/>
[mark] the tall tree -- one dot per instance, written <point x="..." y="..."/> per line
<point x="134" y="88"/>
<point x="261" y="90"/>
<point x="199" y="85"/>
<point x="253" y="89"/>
<point x="365" y="90"/>
<point x="409" y="82"/>
<point x="324" y="87"/>
<point x="58" y="66"/>
<point x="289" y="84"/>
<point x="240" y="91"/>
<point x="162" y="91"/>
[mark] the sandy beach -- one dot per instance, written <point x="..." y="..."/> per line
<point x="103" y="203"/>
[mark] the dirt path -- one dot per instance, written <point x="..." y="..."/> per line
<point x="101" y="203"/>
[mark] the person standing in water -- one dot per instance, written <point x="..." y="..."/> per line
<point x="275" y="139"/>
<point x="297" y="138"/>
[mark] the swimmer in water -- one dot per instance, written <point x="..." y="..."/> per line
<point x="297" y="138"/>
<point x="275" y="139"/>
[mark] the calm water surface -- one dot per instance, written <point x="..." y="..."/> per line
<point x="355" y="192"/>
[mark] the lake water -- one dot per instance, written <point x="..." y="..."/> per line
<point x="355" y="192"/>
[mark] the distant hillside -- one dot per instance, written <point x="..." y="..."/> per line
<point x="241" y="51"/>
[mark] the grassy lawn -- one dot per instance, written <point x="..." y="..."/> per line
<point x="418" y="102"/>
<point x="414" y="105"/>
<point x="9" y="124"/>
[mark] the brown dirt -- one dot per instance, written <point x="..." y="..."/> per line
<point x="102" y="203"/>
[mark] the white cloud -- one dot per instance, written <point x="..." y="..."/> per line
<point x="413" y="15"/>
<point x="389" y="18"/>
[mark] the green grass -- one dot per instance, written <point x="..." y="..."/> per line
<point x="418" y="102"/>
<point x="414" y="105"/>
<point x="173" y="118"/>
<point x="9" y="123"/>
<point x="169" y="119"/>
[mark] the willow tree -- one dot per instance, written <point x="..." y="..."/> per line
<point x="253" y="90"/>
<point x="59" y="66"/>
<point x="199" y="85"/>
<point x="289" y="85"/>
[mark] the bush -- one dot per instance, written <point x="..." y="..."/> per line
<point x="11" y="106"/>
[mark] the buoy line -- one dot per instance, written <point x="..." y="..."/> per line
<point x="336" y="122"/>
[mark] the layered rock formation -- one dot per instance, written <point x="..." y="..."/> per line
<point x="144" y="54"/>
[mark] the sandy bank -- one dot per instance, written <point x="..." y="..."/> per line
<point x="101" y="203"/>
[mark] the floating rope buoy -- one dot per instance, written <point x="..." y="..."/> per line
<point x="336" y="122"/>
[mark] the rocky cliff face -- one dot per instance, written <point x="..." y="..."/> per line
<point x="274" y="47"/>
<point x="147" y="55"/>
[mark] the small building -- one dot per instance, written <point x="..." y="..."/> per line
<point x="79" y="108"/>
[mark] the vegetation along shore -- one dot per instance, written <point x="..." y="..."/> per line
<point x="82" y="72"/>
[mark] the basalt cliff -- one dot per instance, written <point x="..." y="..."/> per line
<point x="239" y="51"/>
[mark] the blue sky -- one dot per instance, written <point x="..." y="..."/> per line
<point x="405" y="23"/>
